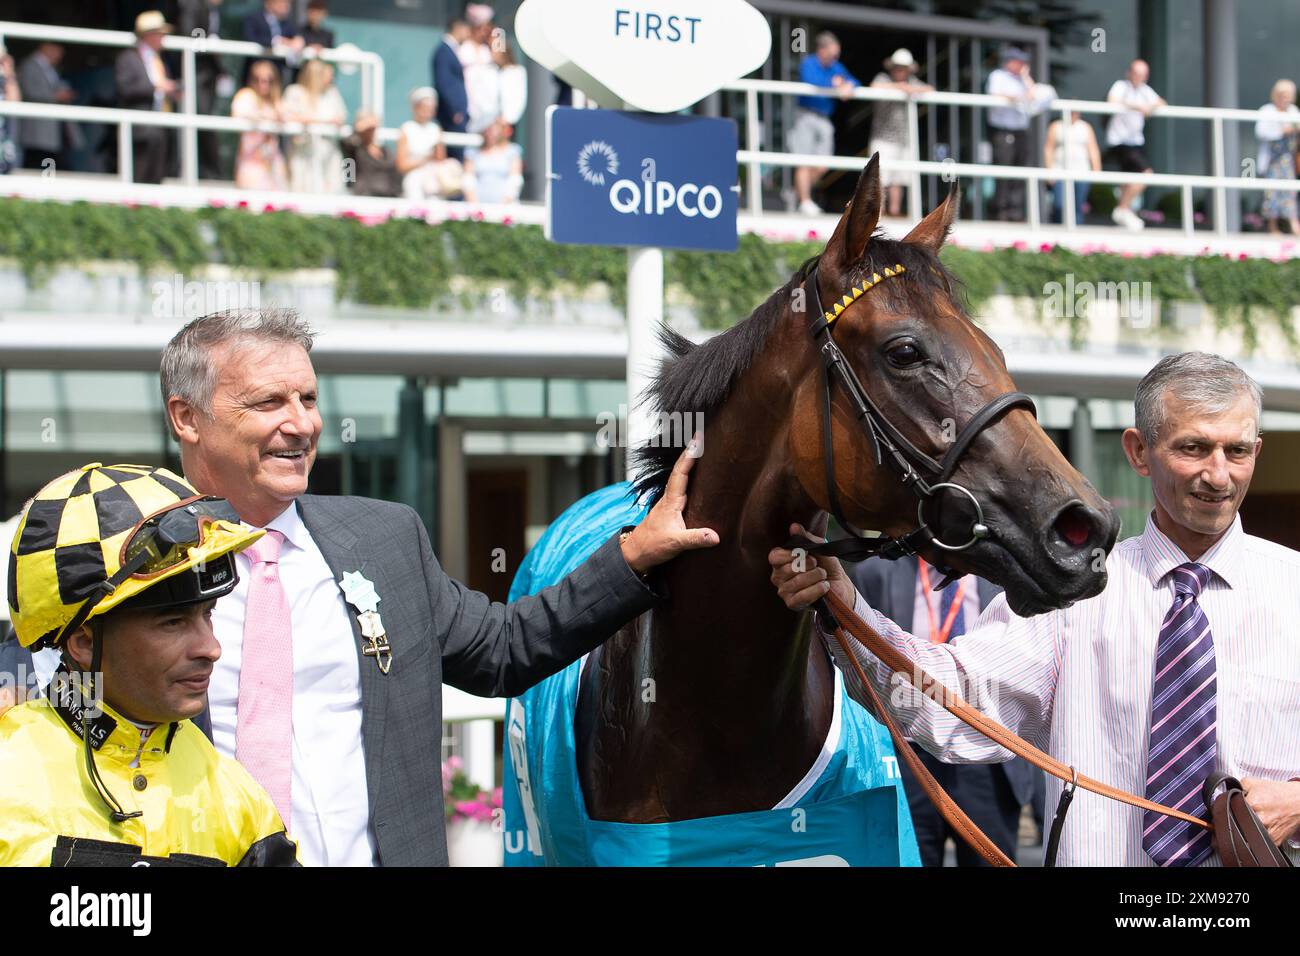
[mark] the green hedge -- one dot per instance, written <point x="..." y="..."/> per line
<point x="408" y="263"/>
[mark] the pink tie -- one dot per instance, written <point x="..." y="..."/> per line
<point x="264" y="724"/>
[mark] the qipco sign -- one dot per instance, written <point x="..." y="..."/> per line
<point x="656" y="197"/>
<point x="635" y="179"/>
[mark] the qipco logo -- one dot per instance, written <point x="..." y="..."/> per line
<point x="659" y="196"/>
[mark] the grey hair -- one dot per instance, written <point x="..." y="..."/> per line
<point x="825" y="38"/>
<point x="187" y="371"/>
<point x="1198" y="380"/>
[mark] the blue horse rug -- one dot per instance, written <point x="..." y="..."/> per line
<point x="849" y="810"/>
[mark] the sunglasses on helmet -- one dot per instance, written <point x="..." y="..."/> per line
<point x="160" y="543"/>
<point x="163" y="541"/>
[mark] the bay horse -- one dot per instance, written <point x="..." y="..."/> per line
<point x="744" y="691"/>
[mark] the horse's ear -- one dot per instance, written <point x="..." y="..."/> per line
<point x="934" y="228"/>
<point x="849" y="241"/>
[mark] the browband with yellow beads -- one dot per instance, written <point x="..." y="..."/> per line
<point x="867" y="285"/>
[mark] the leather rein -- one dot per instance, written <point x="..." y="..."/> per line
<point x="891" y="446"/>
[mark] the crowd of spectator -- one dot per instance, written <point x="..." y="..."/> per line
<point x="479" y="88"/>
<point x="1070" y="145"/>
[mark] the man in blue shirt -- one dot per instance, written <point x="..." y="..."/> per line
<point x="813" y="132"/>
<point x="1009" y="129"/>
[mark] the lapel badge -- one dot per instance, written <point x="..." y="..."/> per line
<point x="360" y="593"/>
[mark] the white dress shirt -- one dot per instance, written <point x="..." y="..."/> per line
<point x="1077" y="682"/>
<point x="1126" y="129"/>
<point x="1009" y="116"/>
<point x="148" y="55"/>
<point x="331" y="814"/>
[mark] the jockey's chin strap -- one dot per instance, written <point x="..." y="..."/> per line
<point x="920" y="472"/>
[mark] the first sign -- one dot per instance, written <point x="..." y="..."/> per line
<point x="661" y="56"/>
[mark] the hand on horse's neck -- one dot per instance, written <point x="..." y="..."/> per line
<point x="739" y="687"/>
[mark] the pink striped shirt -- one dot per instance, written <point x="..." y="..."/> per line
<point x="1077" y="682"/>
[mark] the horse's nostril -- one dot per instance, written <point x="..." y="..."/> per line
<point x="1074" y="525"/>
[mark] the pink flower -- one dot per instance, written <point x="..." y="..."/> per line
<point x="812" y="234"/>
<point x="507" y="221"/>
<point x="217" y="204"/>
<point x="1045" y="247"/>
<point x="455" y="762"/>
<point x="1020" y="245"/>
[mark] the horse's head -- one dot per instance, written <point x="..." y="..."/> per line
<point x="930" y="370"/>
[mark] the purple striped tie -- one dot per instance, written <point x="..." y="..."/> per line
<point x="1183" y="717"/>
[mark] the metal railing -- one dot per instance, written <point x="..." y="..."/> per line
<point x="126" y="120"/>
<point x="753" y="157"/>
<point x="187" y="119"/>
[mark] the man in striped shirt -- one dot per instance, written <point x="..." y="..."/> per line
<point x="1188" y="662"/>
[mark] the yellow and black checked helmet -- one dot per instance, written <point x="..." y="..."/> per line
<point x="100" y="536"/>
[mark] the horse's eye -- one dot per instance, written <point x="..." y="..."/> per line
<point x="903" y="355"/>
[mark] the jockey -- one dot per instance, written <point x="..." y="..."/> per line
<point x="118" y="567"/>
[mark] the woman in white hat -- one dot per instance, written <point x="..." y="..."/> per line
<point x="422" y="156"/>
<point x="889" y="135"/>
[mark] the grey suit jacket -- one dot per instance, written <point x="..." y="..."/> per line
<point x="890" y="588"/>
<point x="135" y="90"/>
<point x="441" y="631"/>
<point x="33" y="133"/>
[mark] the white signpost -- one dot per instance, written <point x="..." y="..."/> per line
<point x="660" y="56"/>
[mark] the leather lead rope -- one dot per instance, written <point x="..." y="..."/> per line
<point x="955" y="817"/>
<point x="848" y="624"/>
<point x="1058" y="823"/>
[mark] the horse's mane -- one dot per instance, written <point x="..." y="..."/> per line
<point x="694" y="380"/>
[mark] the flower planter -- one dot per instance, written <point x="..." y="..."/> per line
<point x="473" y="843"/>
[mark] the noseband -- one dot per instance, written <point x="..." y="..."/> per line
<point x="920" y="472"/>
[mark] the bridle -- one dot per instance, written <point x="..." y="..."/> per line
<point x="920" y="472"/>
<point x="926" y="477"/>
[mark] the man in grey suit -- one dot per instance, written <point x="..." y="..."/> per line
<point x="346" y="622"/>
<point x="991" y="794"/>
<point x="45" y="140"/>
<point x="143" y="84"/>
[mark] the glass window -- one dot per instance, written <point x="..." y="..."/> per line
<point x="493" y="397"/>
<point x="56" y="421"/>
<point x="585" y="398"/>
<point x="357" y="408"/>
